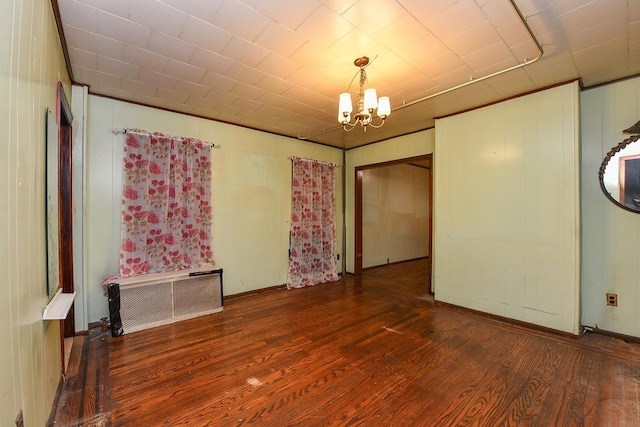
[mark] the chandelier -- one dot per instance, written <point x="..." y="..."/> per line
<point x="367" y="103"/>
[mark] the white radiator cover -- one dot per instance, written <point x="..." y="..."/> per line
<point x="159" y="299"/>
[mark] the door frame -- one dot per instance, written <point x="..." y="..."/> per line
<point x="357" y="255"/>
<point x="65" y="206"/>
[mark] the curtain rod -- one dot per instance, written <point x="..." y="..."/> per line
<point x="124" y="131"/>
<point x="323" y="161"/>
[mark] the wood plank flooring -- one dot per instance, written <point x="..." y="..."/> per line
<point x="369" y="351"/>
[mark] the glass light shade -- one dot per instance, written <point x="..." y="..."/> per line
<point x="345" y="104"/>
<point x="384" y="107"/>
<point x="370" y="99"/>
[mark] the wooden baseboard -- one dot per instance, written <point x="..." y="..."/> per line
<point x="394" y="263"/>
<point x="54" y="404"/>
<point x="514" y="322"/>
<point x="255" y="291"/>
<point x="596" y="330"/>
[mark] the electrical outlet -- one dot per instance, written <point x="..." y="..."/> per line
<point x="612" y="300"/>
<point x="20" y="419"/>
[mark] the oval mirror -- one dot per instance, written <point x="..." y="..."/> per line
<point x="619" y="173"/>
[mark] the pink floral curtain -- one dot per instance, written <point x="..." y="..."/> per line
<point x="313" y="228"/>
<point x="166" y="204"/>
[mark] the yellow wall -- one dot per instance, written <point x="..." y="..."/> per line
<point x="506" y="211"/>
<point x="31" y="65"/>
<point x="610" y="235"/>
<point x="251" y="188"/>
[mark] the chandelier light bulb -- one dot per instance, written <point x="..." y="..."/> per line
<point x="367" y="103"/>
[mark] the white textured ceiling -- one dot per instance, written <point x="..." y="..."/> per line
<point x="279" y="65"/>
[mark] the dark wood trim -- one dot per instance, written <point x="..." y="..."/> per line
<point x="394" y="263"/>
<point x="611" y="82"/>
<point x="357" y="213"/>
<point x="514" y="322"/>
<point x="430" y="226"/>
<point x="65" y="205"/>
<point x="56" y="399"/>
<point x="197" y="116"/>
<point x="63" y="40"/>
<point x="254" y="292"/>
<point x="596" y="330"/>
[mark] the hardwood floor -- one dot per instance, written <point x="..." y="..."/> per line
<point x="369" y="351"/>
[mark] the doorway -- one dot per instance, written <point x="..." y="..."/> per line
<point x="420" y="161"/>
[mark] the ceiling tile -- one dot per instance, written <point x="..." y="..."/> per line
<point x="490" y="59"/>
<point x="84" y="58"/>
<point x="201" y="103"/>
<point x="402" y="32"/>
<point x="98" y="78"/>
<point x="474" y="39"/>
<point x="592" y="14"/>
<point x="240" y="19"/>
<point x="242" y="73"/>
<point x="157" y="79"/>
<point x="154" y="13"/>
<point x="210" y="61"/>
<point x="324" y="27"/>
<point x="193" y="89"/>
<point x="455" y="19"/>
<point x="217" y="81"/>
<point x="274" y="84"/>
<point x="247" y="91"/>
<point x="117" y="28"/>
<point x="228" y="110"/>
<point x="138" y="87"/>
<point x="245" y="52"/>
<point x="144" y="58"/>
<point x="247" y="104"/>
<point x="95" y="43"/>
<point x="171" y="47"/>
<point x="120" y="7"/>
<point x="221" y="96"/>
<point x="204" y="10"/>
<point x="115" y="67"/>
<point x="183" y="71"/>
<point x="603" y="32"/>
<point x="204" y="35"/>
<point x="373" y="15"/>
<point x="79" y="15"/>
<point x="279" y="39"/>
<point x="286" y="12"/>
<point x="277" y="66"/>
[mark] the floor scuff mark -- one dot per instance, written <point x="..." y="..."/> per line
<point x="254" y="382"/>
<point x="392" y="330"/>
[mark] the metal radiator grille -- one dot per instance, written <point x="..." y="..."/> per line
<point x="145" y="305"/>
<point x="196" y="296"/>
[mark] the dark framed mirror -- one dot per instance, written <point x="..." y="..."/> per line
<point x="619" y="173"/>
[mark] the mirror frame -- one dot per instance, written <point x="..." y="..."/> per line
<point x="605" y="163"/>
